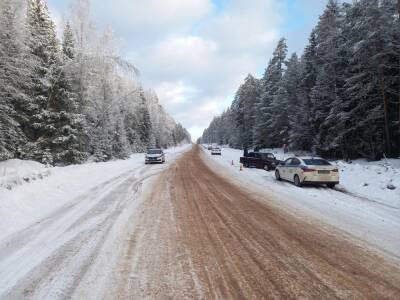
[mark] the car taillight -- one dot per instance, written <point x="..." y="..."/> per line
<point x="308" y="170"/>
<point x="335" y="170"/>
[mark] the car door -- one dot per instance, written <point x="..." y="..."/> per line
<point x="294" y="168"/>
<point x="249" y="159"/>
<point x="284" y="170"/>
<point x="257" y="160"/>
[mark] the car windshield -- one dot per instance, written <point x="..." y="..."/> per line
<point x="154" y="151"/>
<point x="316" y="162"/>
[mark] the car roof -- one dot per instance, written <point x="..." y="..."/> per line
<point x="307" y="157"/>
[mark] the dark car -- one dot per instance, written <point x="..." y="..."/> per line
<point x="259" y="160"/>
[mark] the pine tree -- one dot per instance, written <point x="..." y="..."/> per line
<point x="268" y="104"/>
<point x="12" y="84"/>
<point x="372" y="82"/>
<point x="243" y="107"/>
<point x="301" y="134"/>
<point x="326" y="93"/>
<point x="144" y="126"/>
<point x="56" y="125"/>
<point x="292" y="99"/>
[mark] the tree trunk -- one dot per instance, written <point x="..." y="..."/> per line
<point x="387" y="126"/>
<point x="398" y="21"/>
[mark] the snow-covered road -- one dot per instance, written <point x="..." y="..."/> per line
<point x="372" y="218"/>
<point x="196" y="227"/>
<point x="54" y="252"/>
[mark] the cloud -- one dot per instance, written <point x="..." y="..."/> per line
<point x="196" y="53"/>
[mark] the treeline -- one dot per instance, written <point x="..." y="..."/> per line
<point x="64" y="101"/>
<point x="340" y="99"/>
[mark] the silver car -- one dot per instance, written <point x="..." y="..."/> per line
<point x="154" y="156"/>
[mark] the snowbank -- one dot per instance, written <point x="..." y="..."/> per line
<point x="15" y="172"/>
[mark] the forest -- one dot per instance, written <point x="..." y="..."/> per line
<point x="339" y="99"/>
<point x="68" y="96"/>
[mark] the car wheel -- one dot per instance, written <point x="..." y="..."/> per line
<point x="267" y="168"/>
<point x="277" y="175"/>
<point x="297" y="181"/>
<point x="331" y="185"/>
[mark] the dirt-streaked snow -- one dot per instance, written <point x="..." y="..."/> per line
<point x="372" y="216"/>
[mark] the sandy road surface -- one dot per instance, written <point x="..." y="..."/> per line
<point x="203" y="237"/>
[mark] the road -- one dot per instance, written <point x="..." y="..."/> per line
<point x="184" y="232"/>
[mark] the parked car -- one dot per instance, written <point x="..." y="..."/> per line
<point x="259" y="160"/>
<point x="154" y="156"/>
<point x="308" y="170"/>
<point x="216" y="151"/>
<point x="209" y="147"/>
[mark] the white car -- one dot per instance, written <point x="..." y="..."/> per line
<point x="216" y="151"/>
<point x="154" y="156"/>
<point x="308" y="170"/>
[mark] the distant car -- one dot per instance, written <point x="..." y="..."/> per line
<point x="259" y="160"/>
<point x="154" y="156"/>
<point x="308" y="170"/>
<point x="216" y="151"/>
<point x="209" y="147"/>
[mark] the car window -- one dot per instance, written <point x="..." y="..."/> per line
<point x="266" y="155"/>
<point x="288" y="162"/>
<point x="296" y="161"/>
<point x="251" y="154"/>
<point x="316" y="162"/>
<point x="154" y="151"/>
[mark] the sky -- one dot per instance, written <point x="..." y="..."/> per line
<point x="196" y="53"/>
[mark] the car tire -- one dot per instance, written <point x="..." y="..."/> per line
<point x="278" y="175"/>
<point x="297" y="181"/>
<point x="267" y="168"/>
<point x="331" y="185"/>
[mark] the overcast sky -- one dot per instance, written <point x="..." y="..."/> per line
<point x="195" y="53"/>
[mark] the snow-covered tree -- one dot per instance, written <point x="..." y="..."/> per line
<point x="13" y="99"/>
<point x="269" y="106"/>
<point x="244" y="107"/>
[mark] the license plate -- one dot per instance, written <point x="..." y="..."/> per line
<point x="324" y="172"/>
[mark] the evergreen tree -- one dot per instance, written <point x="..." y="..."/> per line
<point x="56" y="125"/>
<point x="326" y="94"/>
<point x="144" y="125"/>
<point x="13" y="99"/>
<point x="301" y="134"/>
<point x="244" y="110"/>
<point x="268" y="105"/>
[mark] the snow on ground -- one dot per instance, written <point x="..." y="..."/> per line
<point x="360" y="177"/>
<point x="370" y="213"/>
<point x="15" y="172"/>
<point x="38" y="191"/>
